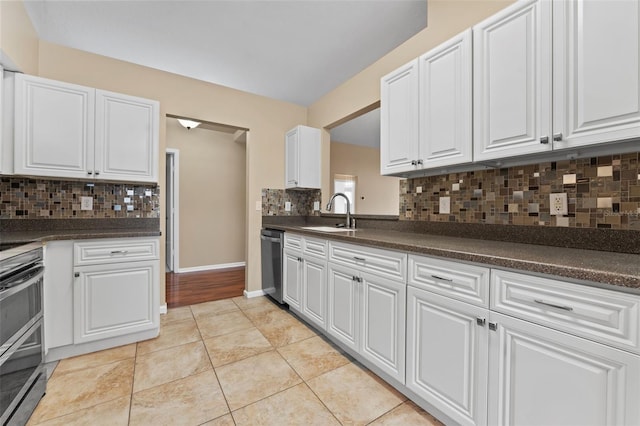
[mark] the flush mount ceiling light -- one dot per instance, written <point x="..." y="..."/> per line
<point x="188" y="124"/>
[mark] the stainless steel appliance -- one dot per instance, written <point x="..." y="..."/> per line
<point x="271" y="241"/>
<point x="22" y="374"/>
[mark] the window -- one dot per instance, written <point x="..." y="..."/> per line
<point x="347" y="185"/>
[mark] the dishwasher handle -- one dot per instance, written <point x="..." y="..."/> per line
<point x="272" y="239"/>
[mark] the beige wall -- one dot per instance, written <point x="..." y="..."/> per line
<point x="381" y="193"/>
<point x="445" y="18"/>
<point x="212" y="195"/>
<point x="18" y="39"/>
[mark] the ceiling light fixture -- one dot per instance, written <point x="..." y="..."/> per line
<point x="188" y="124"/>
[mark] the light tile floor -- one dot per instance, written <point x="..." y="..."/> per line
<point x="236" y="361"/>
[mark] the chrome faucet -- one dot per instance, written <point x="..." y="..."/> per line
<point x="330" y="206"/>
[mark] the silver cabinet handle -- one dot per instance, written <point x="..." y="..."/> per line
<point x="557" y="137"/>
<point x="553" y="305"/>
<point x="359" y="259"/>
<point x="480" y="321"/>
<point x="89" y="173"/>
<point x="544" y="140"/>
<point x="414" y="162"/>
<point x="97" y="173"/>
<point x="119" y="251"/>
<point x="441" y="279"/>
<point x="419" y="162"/>
<point x="493" y="326"/>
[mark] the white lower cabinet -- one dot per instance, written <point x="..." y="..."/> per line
<point x="343" y="321"/>
<point x="107" y="299"/>
<point x="541" y="376"/>
<point x="447" y="353"/>
<point x="314" y="290"/>
<point x="292" y="277"/>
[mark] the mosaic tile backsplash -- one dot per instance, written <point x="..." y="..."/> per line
<point x="273" y="202"/>
<point x="24" y="198"/>
<point x="602" y="192"/>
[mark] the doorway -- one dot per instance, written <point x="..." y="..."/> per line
<point x="172" y="210"/>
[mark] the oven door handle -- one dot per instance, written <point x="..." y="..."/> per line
<point x="24" y="280"/>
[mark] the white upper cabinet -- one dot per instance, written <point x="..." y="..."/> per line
<point x="512" y="82"/>
<point x="54" y="133"/>
<point x="302" y="158"/>
<point x="69" y="131"/>
<point x="399" y="117"/>
<point x="596" y="71"/>
<point x="126" y="145"/>
<point x="445" y="103"/>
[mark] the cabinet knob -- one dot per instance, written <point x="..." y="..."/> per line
<point x="544" y="140"/>
<point x="97" y="173"/>
<point x="420" y="162"/>
<point x="414" y="162"/>
<point x="557" y="137"/>
<point x="89" y="173"/>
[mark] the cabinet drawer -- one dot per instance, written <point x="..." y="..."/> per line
<point x="384" y="263"/>
<point x="460" y="281"/>
<point x="314" y="247"/>
<point x="602" y="315"/>
<point x="96" y="252"/>
<point x="292" y="241"/>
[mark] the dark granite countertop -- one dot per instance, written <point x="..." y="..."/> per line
<point x="31" y="230"/>
<point x="618" y="271"/>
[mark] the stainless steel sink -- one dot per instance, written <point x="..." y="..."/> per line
<point x="327" y="229"/>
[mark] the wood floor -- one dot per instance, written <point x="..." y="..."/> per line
<point x="191" y="288"/>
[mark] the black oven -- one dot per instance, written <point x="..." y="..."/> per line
<point x="22" y="376"/>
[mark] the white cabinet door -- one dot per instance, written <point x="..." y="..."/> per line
<point x="54" y="128"/>
<point x="596" y="71"/>
<point x="343" y="320"/>
<point x="447" y="352"/>
<point x="541" y="376"/>
<point x="512" y="82"/>
<point x="126" y="145"/>
<point x="314" y="293"/>
<point x="292" y="278"/>
<point x="114" y="300"/>
<point x="58" y="294"/>
<point x="445" y="103"/>
<point x="383" y="323"/>
<point x="302" y="157"/>
<point x="399" y="118"/>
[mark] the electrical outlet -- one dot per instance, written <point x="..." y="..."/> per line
<point x="287" y="206"/>
<point x="86" y="203"/>
<point x="418" y="190"/>
<point x="316" y="206"/>
<point x="445" y="205"/>
<point x="558" y="204"/>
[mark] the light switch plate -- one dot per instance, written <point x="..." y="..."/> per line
<point x="258" y="206"/>
<point x="287" y="206"/>
<point x="445" y="205"/>
<point x="558" y="204"/>
<point x="418" y="190"/>
<point x="316" y="206"/>
<point x="86" y="203"/>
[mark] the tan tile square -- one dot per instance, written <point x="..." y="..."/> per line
<point x="189" y="401"/>
<point x="298" y="405"/>
<point x="112" y="413"/>
<point x="213" y="308"/>
<point x="77" y="390"/>
<point x="236" y="346"/>
<point x="284" y="330"/>
<point x="172" y="334"/>
<point x="253" y="302"/>
<point x="254" y="378"/>
<point x="211" y="326"/>
<point x="96" y="358"/>
<point x="354" y="395"/>
<point x="176" y="314"/>
<point x="159" y="367"/>
<point x="263" y="314"/>
<point x="312" y="357"/>
<point x="407" y="414"/>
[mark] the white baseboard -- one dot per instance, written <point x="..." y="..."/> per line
<point x="211" y="267"/>
<point x="255" y="293"/>
<point x="163" y="309"/>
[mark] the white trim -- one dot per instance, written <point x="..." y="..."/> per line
<point x="255" y="293"/>
<point x="163" y="309"/>
<point x="176" y="204"/>
<point x="211" y="267"/>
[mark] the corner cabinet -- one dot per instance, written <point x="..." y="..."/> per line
<point x="302" y="158"/>
<point x="69" y="131"/>
<point x="426" y="110"/>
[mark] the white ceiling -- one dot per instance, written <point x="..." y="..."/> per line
<point x="295" y="51"/>
<point x="363" y="130"/>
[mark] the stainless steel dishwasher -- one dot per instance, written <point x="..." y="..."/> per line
<point x="271" y="241"/>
